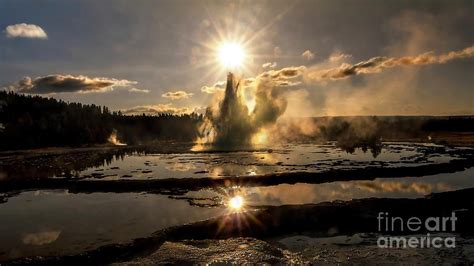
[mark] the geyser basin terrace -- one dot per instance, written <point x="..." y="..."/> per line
<point x="150" y="191"/>
<point x="149" y="163"/>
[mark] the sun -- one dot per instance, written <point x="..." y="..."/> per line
<point x="236" y="203"/>
<point x="231" y="55"/>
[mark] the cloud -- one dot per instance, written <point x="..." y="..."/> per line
<point x="24" y="30"/>
<point x="217" y="87"/>
<point x="177" y="95"/>
<point x="269" y="65"/>
<point x="378" y="64"/>
<point x="211" y="89"/>
<point x="308" y="55"/>
<point x="157" y="109"/>
<point x="138" y="90"/>
<point x="336" y="57"/>
<point x="277" y="51"/>
<point x="67" y="83"/>
<point x="284" y="74"/>
<point x="288" y="83"/>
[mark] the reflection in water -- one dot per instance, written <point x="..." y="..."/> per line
<point x="41" y="238"/>
<point x="375" y="147"/>
<point x="126" y="163"/>
<point x="301" y="193"/>
<point x="56" y="222"/>
<point x="279" y="159"/>
<point x="181" y="167"/>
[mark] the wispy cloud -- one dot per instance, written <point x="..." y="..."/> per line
<point x="156" y="109"/>
<point x="337" y="56"/>
<point x="217" y="87"/>
<point x="378" y="64"/>
<point x="177" y="95"/>
<point x="308" y="55"/>
<point x="138" y="90"/>
<point x="277" y="51"/>
<point x="269" y="65"/>
<point x="24" y="30"/>
<point x="67" y="83"/>
<point x="284" y="73"/>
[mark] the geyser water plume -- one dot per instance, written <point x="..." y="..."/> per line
<point x="230" y="124"/>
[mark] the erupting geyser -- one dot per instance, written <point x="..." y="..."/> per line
<point x="230" y="124"/>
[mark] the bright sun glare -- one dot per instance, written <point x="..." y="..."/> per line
<point x="231" y="55"/>
<point x="236" y="203"/>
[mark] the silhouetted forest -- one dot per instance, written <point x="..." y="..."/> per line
<point x="34" y="121"/>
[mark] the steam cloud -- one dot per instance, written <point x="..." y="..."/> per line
<point x="231" y="123"/>
<point x="378" y="64"/>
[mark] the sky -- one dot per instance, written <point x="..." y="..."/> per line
<point x="364" y="57"/>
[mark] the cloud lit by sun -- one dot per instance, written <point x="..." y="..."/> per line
<point x="231" y="55"/>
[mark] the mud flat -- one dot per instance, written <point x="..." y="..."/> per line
<point x="329" y="232"/>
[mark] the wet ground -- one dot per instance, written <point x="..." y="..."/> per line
<point x="69" y="202"/>
<point x="341" y="250"/>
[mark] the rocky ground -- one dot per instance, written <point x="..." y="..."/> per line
<point x="302" y="249"/>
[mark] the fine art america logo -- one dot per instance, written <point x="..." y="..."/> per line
<point x="414" y="225"/>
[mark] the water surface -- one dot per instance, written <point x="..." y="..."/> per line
<point x="57" y="222"/>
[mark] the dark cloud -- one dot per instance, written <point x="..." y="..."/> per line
<point x="67" y="83"/>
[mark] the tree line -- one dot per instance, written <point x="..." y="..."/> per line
<point x="33" y="122"/>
